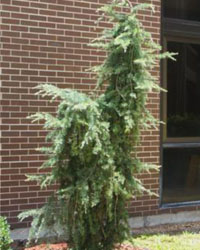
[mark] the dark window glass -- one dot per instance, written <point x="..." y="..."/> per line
<point x="182" y="9"/>
<point x="181" y="175"/>
<point x="183" y="85"/>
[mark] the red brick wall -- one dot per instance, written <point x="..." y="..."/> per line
<point x="45" y="41"/>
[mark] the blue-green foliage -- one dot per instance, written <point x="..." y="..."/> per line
<point x="5" y="239"/>
<point x="94" y="138"/>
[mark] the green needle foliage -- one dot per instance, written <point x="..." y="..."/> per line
<point x="5" y="239"/>
<point x="94" y="138"/>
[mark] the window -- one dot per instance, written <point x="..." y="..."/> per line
<point x="183" y="85"/>
<point x="182" y="9"/>
<point x="181" y="104"/>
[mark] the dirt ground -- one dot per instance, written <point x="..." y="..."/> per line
<point x="167" y="229"/>
<point x="63" y="246"/>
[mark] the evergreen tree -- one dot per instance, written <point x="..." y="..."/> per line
<point x="94" y="138"/>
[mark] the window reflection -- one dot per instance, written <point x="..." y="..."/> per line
<point x="181" y="175"/>
<point x="183" y="97"/>
<point x="182" y="9"/>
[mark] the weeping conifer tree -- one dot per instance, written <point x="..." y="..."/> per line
<point x="93" y="139"/>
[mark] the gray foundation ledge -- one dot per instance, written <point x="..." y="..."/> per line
<point x="156" y="220"/>
<point x="135" y="222"/>
<point x="20" y="234"/>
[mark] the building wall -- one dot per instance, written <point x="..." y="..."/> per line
<point x="45" y="41"/>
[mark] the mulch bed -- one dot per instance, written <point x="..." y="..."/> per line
<point x="168" y="228"/>
<point x="63" y="246"/>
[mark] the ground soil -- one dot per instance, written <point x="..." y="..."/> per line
<point x="165" y="229"/>
<point x="63" y="246"/>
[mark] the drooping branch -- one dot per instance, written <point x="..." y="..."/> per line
<point x="129" y="3"/>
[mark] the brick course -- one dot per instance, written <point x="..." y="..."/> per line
<point x="45" y="41"/>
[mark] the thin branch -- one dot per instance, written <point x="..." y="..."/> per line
<point x="129" y="3"/>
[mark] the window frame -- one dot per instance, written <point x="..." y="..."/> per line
<point x="178" y="30"/>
